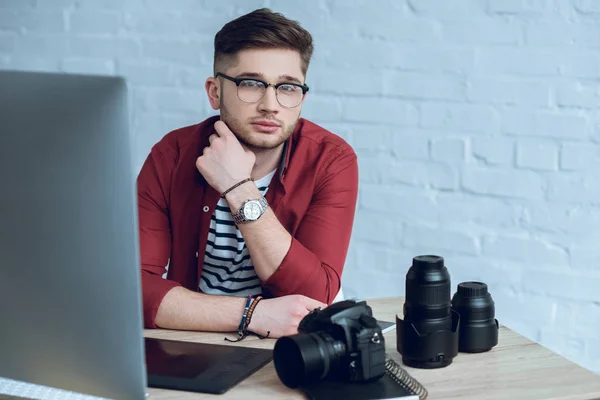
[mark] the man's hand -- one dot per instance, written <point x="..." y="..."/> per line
<point x="225" y="161"/>
<point x="282" y="315"/>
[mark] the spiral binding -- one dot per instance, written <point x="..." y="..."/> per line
<point x="403" y="378"/>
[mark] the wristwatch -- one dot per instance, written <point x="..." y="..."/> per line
<point x="251" y="210"/>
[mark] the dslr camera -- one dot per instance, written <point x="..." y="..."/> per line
<point x="342" y="342"/>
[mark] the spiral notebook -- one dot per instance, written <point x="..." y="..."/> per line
<point x="395" y="384"/>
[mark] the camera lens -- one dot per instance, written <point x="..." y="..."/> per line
<point x="478" y="327"/>
<point x="428" y="336"/>
<point x="306" y="357"/>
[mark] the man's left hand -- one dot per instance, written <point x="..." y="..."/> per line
<point x="225" y="161"/>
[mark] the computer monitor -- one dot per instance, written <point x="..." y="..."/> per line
<point x="70" y="297"/>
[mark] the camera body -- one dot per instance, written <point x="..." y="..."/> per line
<point x="341" y="342"/>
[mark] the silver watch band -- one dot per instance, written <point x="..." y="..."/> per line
<point x="239" y="217"/>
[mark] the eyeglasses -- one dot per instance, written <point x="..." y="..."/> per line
<point x="288" y="94"/>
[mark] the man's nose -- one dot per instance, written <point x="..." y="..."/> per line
<point x="269" y="100"/>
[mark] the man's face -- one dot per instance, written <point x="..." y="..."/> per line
<point x="264" y="124"/>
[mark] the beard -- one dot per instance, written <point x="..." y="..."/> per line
<point x="256" y="141"/>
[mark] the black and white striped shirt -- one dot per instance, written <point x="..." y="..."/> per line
<point x="228" y="268"/>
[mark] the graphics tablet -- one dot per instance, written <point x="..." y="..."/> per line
<point x="200" y="367"/>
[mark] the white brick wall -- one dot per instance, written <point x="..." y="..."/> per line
<point x="476" y="122"/>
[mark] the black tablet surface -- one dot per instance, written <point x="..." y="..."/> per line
<point x="200" y="367"/>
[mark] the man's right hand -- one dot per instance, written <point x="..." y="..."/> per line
<point x="282" y="315"/>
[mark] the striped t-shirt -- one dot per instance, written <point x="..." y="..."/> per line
<point x="228" y="268"/>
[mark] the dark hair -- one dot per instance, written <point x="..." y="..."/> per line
<point x="262" y="29"/>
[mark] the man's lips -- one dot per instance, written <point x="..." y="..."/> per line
<point x="265" y="123"/>
<point x="265" y="126"/>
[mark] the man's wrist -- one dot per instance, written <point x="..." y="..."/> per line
<point x="240" y="194"/>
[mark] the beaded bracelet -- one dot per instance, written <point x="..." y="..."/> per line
<point x="246" y="317"/>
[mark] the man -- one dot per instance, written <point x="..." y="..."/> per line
<point x="254" y="202"/>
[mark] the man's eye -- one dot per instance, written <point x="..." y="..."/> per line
<point x="251" y="84"/>
<point x="288" y="88"/>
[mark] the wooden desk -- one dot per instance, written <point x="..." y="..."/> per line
<point x="516" y="368"/>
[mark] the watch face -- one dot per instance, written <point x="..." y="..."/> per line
<point x="252" y="210"/>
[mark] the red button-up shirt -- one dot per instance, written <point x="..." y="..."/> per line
<point x="313" y="194"/>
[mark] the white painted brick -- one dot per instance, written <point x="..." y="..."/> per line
<point x="32" y="21"/>
<point x="366" y="53"/>
<point x="405" y="204"/>
<point x="412" y="143"/>
<point x="579" y="156"/>
<point x="400" y="29"/>
<point x="526" y="8"/>
<point x="323" y="108"/>
<point x="546" y="124"/>
<point x="406" y="144"/>
<point x="489" y="31"/>
<point x="580" y="65"/>
<point x="387" y="232"/>
<point x="33" y="63"/>
<point x="508" y="91"/>
<point x="169" y="99"/>
<point x="450" y="150"/>
<point x="428" y="57"/>
<point x="467" y="118"/>
<point x="189" y="52"/>
<point x="538" y="309"/>
<point x="445" y="9"/>
<point x="88" y="66"/>
<point x="414" y="173"/>
<point x="105" y="47"/>
<point x="346" y="81"/>
<point x="563" y="33"/>
<point x="423" y="86"/>
<point x="17" y="4"/>
<point x="587" y="6"/>
<point x="537" y="154"/>
<point x="570" y="187"/>
<point x="503" y="183"/>
<point x="387" y="14"/>
<point x="8" y="42"/>
<point x="499" y="61"/>
<point x="574" y="221"/>
<point x="387" y="259"/>
<point x="427" y="240"/>
<point x="164" y="23"/>
<point x="380" y="111"/>
<point x="43" y="45"/>
<point x="459" y="210"/>
<point x="563" y="284"/>
<point x="111" y="4"/>
<point x="578" y="96"/>
<point x="584" y="251"/>
<point x="565" y="345"/>
<point x="144" y="72"/>
<point x="524" y="249"/>
<point x="494" y="150"/>
<point x="96" y="22"/>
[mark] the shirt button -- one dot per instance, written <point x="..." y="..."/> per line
<point x="205" y="208"/>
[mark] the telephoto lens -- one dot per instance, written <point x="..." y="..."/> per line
<point x="428" y="335"/>
<point x="478" y="327"/>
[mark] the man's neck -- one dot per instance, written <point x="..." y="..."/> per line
<point x="267" y="160"/>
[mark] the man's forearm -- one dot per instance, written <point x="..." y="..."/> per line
<point x="267" y="240"/>
<point x="186" y="310"/>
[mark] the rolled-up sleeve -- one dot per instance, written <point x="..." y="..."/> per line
<point x="315" y="261"/>
<point x="153" y="185"/>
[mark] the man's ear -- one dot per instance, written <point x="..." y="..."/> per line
<point x="213" y="91"/>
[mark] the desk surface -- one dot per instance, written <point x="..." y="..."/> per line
<point x="516" y="368"/>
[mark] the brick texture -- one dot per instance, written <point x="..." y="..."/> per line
<point x="476" y="124"/>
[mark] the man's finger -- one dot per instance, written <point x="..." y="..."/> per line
<point x="311" y="304"/>
<point x="222" y="129"/>
<point x="212" y="137"/>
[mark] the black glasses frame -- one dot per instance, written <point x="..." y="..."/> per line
<point x="238" y="81"/>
